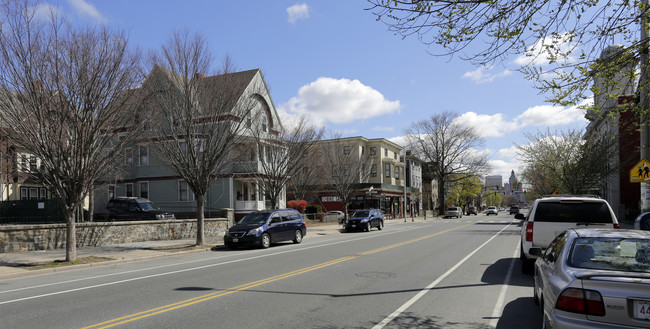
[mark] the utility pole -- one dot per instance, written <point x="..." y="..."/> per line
<point x="644" y="102"/>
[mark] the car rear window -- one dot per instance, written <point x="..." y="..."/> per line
<point x="615" y="254"/>
<point x="573" y="212"/>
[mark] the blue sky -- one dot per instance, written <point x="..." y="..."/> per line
<point x="331" y="61"/>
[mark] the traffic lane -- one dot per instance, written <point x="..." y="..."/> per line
<point x="356" y="293"/>
<point x="137" y="293"/>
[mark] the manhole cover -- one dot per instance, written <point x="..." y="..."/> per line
<point x="376" y="275"/>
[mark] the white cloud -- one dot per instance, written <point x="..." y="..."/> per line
<point x="549" y="115"/>
<point x="298" y="11"/>
<point x="487" y="125"/>
<point x="386" y="129"/>
<point x="485" y="74"/>
<point x="85" y="9"/>
<point x="338" y="101"/>
<point x="559" y="48"/>
<point x="44" y="11"/>
<point x="504" y="168"/>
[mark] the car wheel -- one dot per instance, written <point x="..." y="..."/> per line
<point x="266" y="240"/>
<point x="297" y="236"/>
<point x="381" y="225"/>
<point x="369" y="226"/>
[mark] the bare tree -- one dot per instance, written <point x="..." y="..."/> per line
<point x="284" y="156"/>
<point x="197" y="118"/>
<point x="344" y="166"/>
<point x="565" y="161"/>
<point x="60" y="91"/>
<point x="449" y="149"/>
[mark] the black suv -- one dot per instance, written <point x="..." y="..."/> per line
<point x="132" y="208"/>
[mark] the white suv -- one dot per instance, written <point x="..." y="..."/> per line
<point x="551" y="216"/>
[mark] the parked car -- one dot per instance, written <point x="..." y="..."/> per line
<point x="334" y="216"/>
<point x="491" y="210"/>
<point x="550" y="216"/>
<point x="453" y="212"/>
<point x="132" y="208"/>
<point x="264" y="228"/>
<point x="365" y="220"/>
<point x="642" y="222"/>
<point x="472" y="211"/>
<point x="514" y="210"/>
<point x="594" y="278"/>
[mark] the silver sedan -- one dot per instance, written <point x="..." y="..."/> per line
<point x="594" y="278"/>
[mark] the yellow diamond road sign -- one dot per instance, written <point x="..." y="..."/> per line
<point x="640" y="172"/>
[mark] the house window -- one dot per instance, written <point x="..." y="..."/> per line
<point x="346" y="150"/>
<point x="334" y="171"/>
<point x="395" y="155"/>
<point x="346" y="171"/>
<point x="33" y="193"/>
<point x="24" y="193"/>
<point x="397" y="172"/>
<point x="24" y="163"/>
<point x="373" y="170"/>
<point x="128" y="156"/>
<point x="42" y="193"/>
<point x="373" y="151"/>
<point x="33" y="163"/>
<point x="111" y="192"/>
<point x="129" y="190"/>
<point x="144" y="190"/>
<point x="184" y="192"/>
<point x="363" y="150"/>
<point x="144" y="155"/>
<point x="320" y="152"/>
<point x="385" y="152"/>
<point x="387" y="169"/>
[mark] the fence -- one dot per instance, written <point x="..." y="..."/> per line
<point x="30" y="212"/>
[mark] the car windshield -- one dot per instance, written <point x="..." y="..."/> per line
<point x="255" y="218"/>
<point x="492" y="207"/>
<point x="147" y="206"/>
<point x="567" y="212"/>
<point x="452" y="209"/>
<point x="361" y="213"/>
<point x="616" y="254"/>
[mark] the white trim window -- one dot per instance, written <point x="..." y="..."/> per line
<point x="111" y="192"/>
<point x="144" y="189"/>
<point x="184" y="191"/>
<point x="128" y="190"/>
<point x="387" y="169"/>
<point x="128" y="156"/>
<point x="144" y="155"/>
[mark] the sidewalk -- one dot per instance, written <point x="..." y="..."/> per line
<point x="27" y="262"/>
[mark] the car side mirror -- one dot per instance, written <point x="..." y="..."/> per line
<point x="535" y="251"/>
<point x="520" y="216"/>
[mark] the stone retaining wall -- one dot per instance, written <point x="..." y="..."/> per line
<point x="52" y="236"/>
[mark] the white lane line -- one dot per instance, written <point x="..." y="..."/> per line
<point x="498" y="307"/>
<point x="420" y="294"/>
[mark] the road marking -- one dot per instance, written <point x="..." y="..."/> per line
<point x="420" y="294"/>
<point x="498" y="307"/>
<point x="217" y="294"/>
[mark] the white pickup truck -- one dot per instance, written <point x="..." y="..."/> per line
<point x="553" y="215"/>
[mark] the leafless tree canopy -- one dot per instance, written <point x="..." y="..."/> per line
<point x="449" y="148"/>
<point x="564" y="161"/>
<point x="196" y="117"/>
<point x="286" y="157"/>
<point x="59" y="91"/>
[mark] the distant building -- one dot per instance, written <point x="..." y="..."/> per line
<point x="494" y="180"/>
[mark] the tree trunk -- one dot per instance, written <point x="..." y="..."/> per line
<point x="71" y="236"/>
<point x="200" y="235"/>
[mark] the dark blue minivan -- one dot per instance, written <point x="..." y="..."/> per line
<point x="262" y="228"/>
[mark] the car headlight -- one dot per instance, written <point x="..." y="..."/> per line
<point x="364" y="220"/>
<point x="254" y="231"/>
<point x="159" y="216"/>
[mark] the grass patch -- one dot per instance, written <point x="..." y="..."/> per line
<point x="62" y="263"/>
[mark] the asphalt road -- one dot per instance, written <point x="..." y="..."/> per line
<point x="447" y="273"/>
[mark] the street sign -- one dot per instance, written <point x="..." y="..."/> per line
<point x="556" y="192"/>
<point x="640" y="172"/>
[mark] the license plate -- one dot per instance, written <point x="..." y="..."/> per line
<point x="235" y="240"/>
<point x="642" y="309"/>
<point x="354" y="225"/>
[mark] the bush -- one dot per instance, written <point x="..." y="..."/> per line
<point x="299" y="205"/>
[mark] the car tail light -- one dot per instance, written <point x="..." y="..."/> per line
<point x="617" y="226"/>
<point x="582" y="301"/>
<point x="529" y="231"/>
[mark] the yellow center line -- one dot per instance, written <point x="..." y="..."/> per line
<point x="221" y="293"/>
